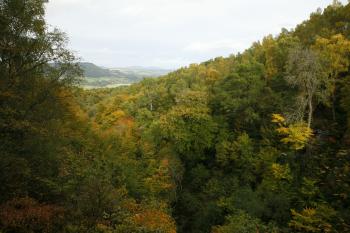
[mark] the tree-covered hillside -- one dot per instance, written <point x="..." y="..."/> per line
<point x="255" y="142"/>
<point x="94" y="71"/>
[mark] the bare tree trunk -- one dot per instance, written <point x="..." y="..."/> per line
<point x="310" y="113"/>
<point x="151" y="106"/>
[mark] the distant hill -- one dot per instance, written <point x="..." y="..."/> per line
<point x="99" y="77"/>
<point x="94" y="71"/>
<point x="140" y="71"/>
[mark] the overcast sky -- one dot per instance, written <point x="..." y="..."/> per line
<point x="171" y="33"/>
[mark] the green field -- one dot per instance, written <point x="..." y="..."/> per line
<point x="103" y="82"/>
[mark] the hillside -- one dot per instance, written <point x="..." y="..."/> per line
<point x="257" y="142"/>
<point x="140" y="71"/>
<point x="99" y="77"/>
<point x="94" y="71"/>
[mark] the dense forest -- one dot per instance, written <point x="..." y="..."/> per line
<point x="255" y="142"/>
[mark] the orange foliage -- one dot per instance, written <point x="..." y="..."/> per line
<point x="126" y="122"/>
<point x="164" y="163"/>
<point x="67" y="99"/>
<point x="29" y="215"/>
<point x="155" y="220"/>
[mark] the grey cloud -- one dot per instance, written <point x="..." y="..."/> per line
<point x="171" y="33"/>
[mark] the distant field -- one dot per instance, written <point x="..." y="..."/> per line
<point x="99" y="77"/>
<point x="101" y="82"/>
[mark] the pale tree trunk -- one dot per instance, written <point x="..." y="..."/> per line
<point x="310" y="113"/>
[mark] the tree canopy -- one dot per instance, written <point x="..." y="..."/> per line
<point x="254" y="142"/>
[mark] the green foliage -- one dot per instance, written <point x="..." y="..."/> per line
<point x="193" y="151"/>
<point x="188" y="124"/>
<point x="313" y="219"/>
<point x="236" y="96"/>
<point x="243" y="223"/>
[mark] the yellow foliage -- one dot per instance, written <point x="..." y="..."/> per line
<point x="270" y="46"/>
<point x="281" y="171"/>
<point x="303" y="221"/>
<point x="336" y="51"/>
<point x="278" y="118"/>
<point x="118" y="114"/>
<point x="212" y="75"/>
<point x="313" y="219"/>
<point x="297" y="135"/>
